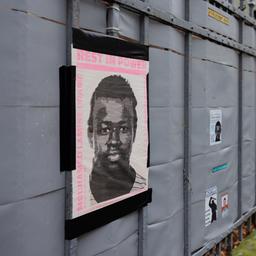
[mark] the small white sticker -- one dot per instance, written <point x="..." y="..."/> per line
<point x="224" y="205"/>
<point x="215" y="126"/>
<point x="211" y="205"/>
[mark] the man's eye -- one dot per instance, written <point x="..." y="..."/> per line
<point x="104" y="131"/>
<point x="124" y="129"/>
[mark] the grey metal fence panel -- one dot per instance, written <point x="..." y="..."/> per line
<point x="33" y="226"/>
<point x="164" y="36"/>
<point x="32" y="48"/>
<point x="249" y="89"/>
<point x="129" y="24"/>
<point x="214" y="85"/>
<point x="248" y="197"/>
<point x="169" y="200"/>
<point x="163" y="123"/>
<point x="166" y="140"/>
<point x="197" y="224"/>
<point x="29" y="83"/>
<point x="166" y="231"/>
<point x="200" y="17"/>
<point x="93" y="15"/>
<point x="215" y="231"/>
<point x="202" y="178"/>
<point x="206" y="50"/>
<point x="249" y="35"/>
<point x="200" y="118"/>
<point x="29" y="158"/>
<point x="254" y="45"/>
<point x="178" y="8"/>
<point x="111" y="238"/>
<point x="32" y="198"/>
<point x="165" y="107"/>
<point x="248" y="156"/>
<point x="248" y="159"/>
<point x="175" y="7"/>
<point x="55" y="10"/>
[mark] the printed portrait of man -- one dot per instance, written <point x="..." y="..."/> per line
<point x="112" y="129"/>
<point x="213" y="207"/>
<point x="218" y="131"/>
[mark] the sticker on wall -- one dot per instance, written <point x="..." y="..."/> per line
<point x="224" y="205"/>
<point x="211" y="205"/>
<point x="215" y="126"/>
<point x="218" y="16"/>
<point x="220" y="168"/>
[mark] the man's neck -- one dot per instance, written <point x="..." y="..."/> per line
<point x="108" y="183"/>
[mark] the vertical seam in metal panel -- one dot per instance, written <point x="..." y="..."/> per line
<point x="187" y="137"/>
<point x="73" y="19"/>
<point x="143" y="213"/>
<point x="240" y="122"/>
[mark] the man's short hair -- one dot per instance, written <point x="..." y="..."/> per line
<point x="113" y="87"/>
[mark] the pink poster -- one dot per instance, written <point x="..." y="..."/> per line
<point x="111" y="130"/>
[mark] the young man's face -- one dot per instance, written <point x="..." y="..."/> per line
<point x="113" y="131"/>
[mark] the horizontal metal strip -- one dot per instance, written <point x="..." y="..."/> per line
<point x="168" y="18"/>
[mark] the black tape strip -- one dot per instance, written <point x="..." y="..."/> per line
<point x="93" y="220"/>
<point x="108" y="45"/>
<point x="67" y="76"/>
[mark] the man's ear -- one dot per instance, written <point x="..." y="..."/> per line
<point x="90" y="137"/>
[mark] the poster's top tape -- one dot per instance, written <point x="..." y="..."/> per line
<point x="114" y="46"/>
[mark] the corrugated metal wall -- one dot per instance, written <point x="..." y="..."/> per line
<point x="32" y="201"/>
<point x="31" y="188"/>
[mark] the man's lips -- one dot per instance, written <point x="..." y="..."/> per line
<point x="114" y="156"/>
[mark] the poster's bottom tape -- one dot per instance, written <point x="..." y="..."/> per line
<point x="78" y="226"/>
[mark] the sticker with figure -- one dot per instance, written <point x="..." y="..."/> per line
<point x="215" y="126"/>
<point x="224" y="205"/>
<point x="211" y="205"/>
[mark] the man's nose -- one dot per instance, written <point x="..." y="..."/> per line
<point x="114" y="138"/>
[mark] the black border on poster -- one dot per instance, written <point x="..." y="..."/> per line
<point x="88" y="222"/>
<point x="107" y="45"/>
<point x="67" y="77"/>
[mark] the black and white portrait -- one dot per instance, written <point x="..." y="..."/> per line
<point x="217" y="131"/>
<point x="111" y="130"/>
<point x="211" y="205"/>
<point x="215" y="126"/>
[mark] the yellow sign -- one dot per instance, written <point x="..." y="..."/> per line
<point x="217" y="16"/>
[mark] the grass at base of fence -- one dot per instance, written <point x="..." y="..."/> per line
<point x="247" y="247"/>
